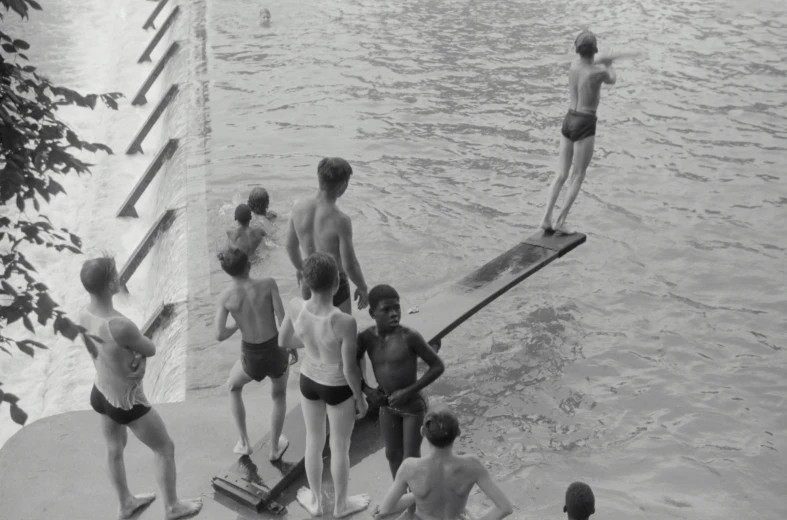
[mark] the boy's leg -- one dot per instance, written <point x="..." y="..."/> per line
<point x="566" y="156"/>
<point x="116" y="436"/>
<point x="238" y="378"/>
<point x="411" y="430"/>
<point x="314" y="418"/>
<point x="341" y="419"/>
<point x="279" y="442"/>
<point x="150" y="430"/>
<point x="391" y="430"/>
<point x="583" y="152"/>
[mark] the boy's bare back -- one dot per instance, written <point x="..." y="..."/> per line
<point x="320" y="227"/>
<point x="585" y="80"/>
<point x="251" y="306"/>
<point x="247" y="239"/>
<point x="441" y="486"/>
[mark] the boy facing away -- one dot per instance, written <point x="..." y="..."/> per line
<point x="580" y="502"/>
<point x="440" y="483"/>
<point x="394" y="351"/>
<point x="243" y="236"/>
<point x="256" y="307"/>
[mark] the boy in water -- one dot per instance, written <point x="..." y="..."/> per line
<point x="585" y="79"/>
<point x="259" y="200"/>
<point x="394" y="351"/>
<point x="256" y="307"/>
<point x="580" y="502"/>
<point x="243" y="236"/>
<point x="119" y="352"/>
<point x="440" y="482"/>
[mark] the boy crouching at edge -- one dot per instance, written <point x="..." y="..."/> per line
<point x="394" y="351"/>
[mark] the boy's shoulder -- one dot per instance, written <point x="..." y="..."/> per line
<point x="411" y="334"/>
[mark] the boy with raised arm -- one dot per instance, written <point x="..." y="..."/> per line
<point x="585" y="79"/>
<point x="119" y="352"/>
<point x="242" y="235"/>
<point x="394" y="351"/>
<point x="318" y="225"/>
<point x="440" y="482"/>
<point x="256" y="307"/>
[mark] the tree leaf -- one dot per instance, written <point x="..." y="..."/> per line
<point x="10" y="398"/>
<point x="34" y="5"/>
<point x="21" y="44"/>
<point x="18" y="415"/>
<point x="28" y="324"/>
<point x="9" y="48"/>
<point x="27" y="350"/>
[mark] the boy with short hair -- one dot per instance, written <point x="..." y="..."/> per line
<point x="256" y="307"/>
<point x="580" y="502"/>
<point x="394" y="351"/>
<point x="259" y="200"/>
<point x="243" y="236"/>
<point x="440" y="483"/>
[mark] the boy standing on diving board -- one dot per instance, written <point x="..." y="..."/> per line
<point x="394" y="350"/>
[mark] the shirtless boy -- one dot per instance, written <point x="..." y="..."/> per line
<point x="580" y="502"/>
<point x="256" y="307"/>
<point x="585" y="79"/>
<point x="440" y="482"/>
<point x="119" y="351"/>
<point x="394" y="351"/>
<point x="243" y="236"/>
<point x="259" y="202"/>
<point x="318" y="225"/>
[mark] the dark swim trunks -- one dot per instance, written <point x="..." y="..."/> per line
<point x="261" y="360"/>
<point x="343" y="294"/>
<point x="120" y="416"/>
<point x="331" y="395"/>
<point x="414" y="407"/>
<point x="579" y="125"/>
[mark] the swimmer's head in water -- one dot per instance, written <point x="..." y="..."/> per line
<point x="265" y="15"/>
<point x="586" y="44"/>
<point x="384" y="306"/>
<point x="580" y="502"/>
<point x="334" y="175"/>
<point x="259" y="201"/>
<point x="320" y="273"/>
<point x="100" y="275"/>
<point x="234" y="261"/>
<point x="441" y="427"/>
<point x="243" y="214"/>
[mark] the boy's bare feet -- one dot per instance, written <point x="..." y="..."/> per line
<point x="184" y="508"/>
<point x="306" y="498"/>
<point x="243" y="448"/>
<point x="546" y="225"/>
<point x="136" y="503"/>
<point x="284" y="443"/>
<point x="354" y="504"/>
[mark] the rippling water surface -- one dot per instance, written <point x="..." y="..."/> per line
<point x="650" y="362"/>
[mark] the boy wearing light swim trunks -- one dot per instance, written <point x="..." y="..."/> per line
<point x="394" y="351"/>
<point x="440" y="482"/>
<point x="257" y="308"/>
<point x="585" y="78"/>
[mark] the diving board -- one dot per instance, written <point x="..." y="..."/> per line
<point x="258" y="490"/>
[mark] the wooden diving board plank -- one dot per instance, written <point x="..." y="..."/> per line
<point x="136" y="143"/>
<point x="127" y="209"/>
<point x="139" y="97"/>
<point x="161" y="224"/>
<point x="435" y="319"/>
<point x="162" y="312"/>
<point x="159" y="34"/>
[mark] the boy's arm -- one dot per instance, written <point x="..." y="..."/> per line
<point x="350" y="261"/>
<point x="375" y="395"/>
<point x="127" y="334"/>
<point x="436" y="367"/>
<point x="349" y="334"/>
<point x="287" y="332"/>
<point x="220" y="321"/>
<point x="278" y="306"/>
<point x="293" y="247"/>
<point x="502" y="506"/>
<point x="396" y="500"/>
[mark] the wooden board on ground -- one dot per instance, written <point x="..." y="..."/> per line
<point x="254" y="482"/>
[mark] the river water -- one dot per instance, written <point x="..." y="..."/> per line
<point x="649" y="362"/>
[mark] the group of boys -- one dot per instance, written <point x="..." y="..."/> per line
<point x="438" y="483"/>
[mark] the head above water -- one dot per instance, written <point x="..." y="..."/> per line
<point x="334" y="175"/>
<point x="243" y="214"/>
<point x="99" y="276"/>
<point x="441" y="427"/>
<point x="580" y="502"/>
<point x="384" y="306"/>
<point x="265" y="15"/>
<point x="586" y="44"/>
<point x="234" y="261"/>
<point x="321" y="274"/>
<point x="259" y="201"/>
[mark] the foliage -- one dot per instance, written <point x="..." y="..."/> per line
<point x="35" y="148"/>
